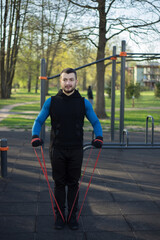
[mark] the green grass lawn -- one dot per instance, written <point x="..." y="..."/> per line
<point x="147" y="99"/>
<point x="134" y="117"/>
<point x="20" y="96"/>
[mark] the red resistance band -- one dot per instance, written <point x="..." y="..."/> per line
<point x="44" y="169"/>
<point x="98" y="140"/>
<point x="35" y="139"/>
<point x="89" y="183"/>
<point x="51" y="192"/>
<point x="80" y="184"/>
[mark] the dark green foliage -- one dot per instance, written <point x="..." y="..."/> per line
<point x="157" y="90"/>
<point x="108" y="89"/>
<point x="133" y="90"/>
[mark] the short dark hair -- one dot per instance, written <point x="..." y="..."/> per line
<point x="69" y="70"/>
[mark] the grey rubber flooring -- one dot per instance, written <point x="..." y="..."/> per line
<point x="123" y="201"/>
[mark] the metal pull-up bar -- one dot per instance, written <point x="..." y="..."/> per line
<point x="123" y="55"/>
<point x="113" y="58"/>
<point x="123" y="61"/>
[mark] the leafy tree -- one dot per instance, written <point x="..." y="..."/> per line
<point x="75" y="56"/>
<point x="106" y="19"/>
<point x="44" y="34"/>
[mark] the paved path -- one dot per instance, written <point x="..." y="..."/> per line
<point x="123" y="202"/>
<point x="6" y="110"/>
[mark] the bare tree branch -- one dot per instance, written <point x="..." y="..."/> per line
<point x="83" y="6"/>
<point x="109" y="7"/>
<point x="138" y="26"/>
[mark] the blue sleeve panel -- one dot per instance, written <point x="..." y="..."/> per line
<point x="43" y="115"/>
<point x="92" y="117"/>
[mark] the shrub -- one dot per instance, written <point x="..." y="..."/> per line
<point x="137" y="90"/>
<point x="133" y="90"/>
<point x="130" y="91"/>
<point x="157" y="89"/>
<point x="108" y="89"/>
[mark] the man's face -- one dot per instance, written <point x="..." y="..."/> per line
<point x="68" y="82"/>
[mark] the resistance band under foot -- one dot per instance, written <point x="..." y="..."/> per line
<point x="44" y="169"/>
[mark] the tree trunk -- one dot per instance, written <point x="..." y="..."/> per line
<point x="36" y="87"/>
<point x="84" y="80"/>
<point x="10" y="41"/>
<point x="29" y="81"/>
<point x="37" y="78"/>
<point x="3" y="42"/>
<point x="100" y="99"/>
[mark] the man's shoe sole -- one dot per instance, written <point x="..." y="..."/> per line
<point x="59" y="227"/>
<point x="73" y="227"/>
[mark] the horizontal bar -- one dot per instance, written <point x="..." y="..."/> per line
<point x="143" y="57"/>
<point x="109" y="58"/>
<point x="55" y="76"/>
<point x="124" y="144"/>
<point x="124" y="147"/>
<point x="143" y="54"/>
<point x="87" y="65"/>
<point x="132" y="147"/>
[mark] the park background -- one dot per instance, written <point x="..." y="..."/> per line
<point x="71" y="34"/>
<point x="123" y="202"/>
<point x="23" y="116"/>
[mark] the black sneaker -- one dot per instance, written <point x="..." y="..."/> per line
<point x="59" y="223"/>
<point x="73" y="223"/>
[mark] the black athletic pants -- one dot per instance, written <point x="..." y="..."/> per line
<point x="66" y="171"/>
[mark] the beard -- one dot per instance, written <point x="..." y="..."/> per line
<point x="68" y="91"/>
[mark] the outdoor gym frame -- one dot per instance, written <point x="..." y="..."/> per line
<point x="122" y="132"/>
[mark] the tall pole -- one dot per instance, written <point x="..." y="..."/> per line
<point x="43" y="92"/>
<point x="123" y="59"/>
<point x="113" y="93"/>
<point x="3" y="158"/>
<point x="1" y="22"/>
<point x="43" y="72"/>
<point x="42" y="30"/>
